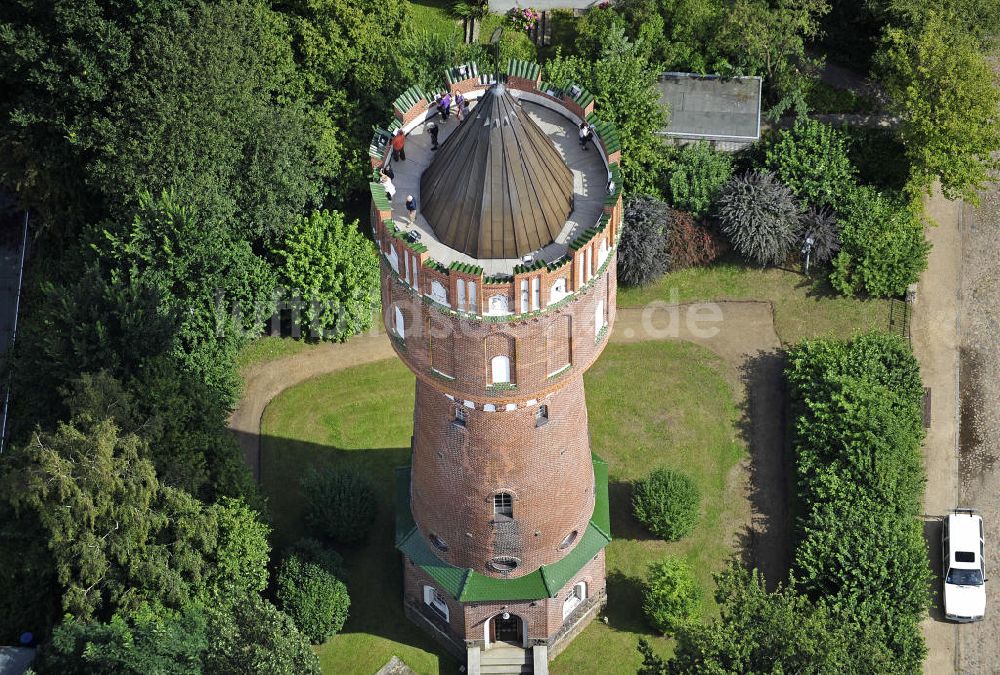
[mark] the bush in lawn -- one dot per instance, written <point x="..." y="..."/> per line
<point x="812" y="159"/>
<point x="883" y="249"/>
<point x="821" y="226"/>
<point x="642" y="250"/>
<point x="760" y="216"/>
<point x="697" y="176"/>
<point x="312" y="550"/>
<point x="671" y="597"/>
<point x="340" y="504"/>
<point x="666" y="502"/>
<point x="691" y="244"/>
<point x="316" y="600"/>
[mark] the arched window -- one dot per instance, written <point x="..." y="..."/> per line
<point x="602" y="252"/>
<point x="439" y="293"/>
<point x="558" y="290"/>
<point x="599" y="320"/>
<point x="498" y="304"/>
<point x="398" y="323"/>
<point x="568" y="540"/>
<point x="573" y="600"/>
<point x="393" y="259"/>
<point x="504" y="564"/>
<point x="499" y="369"/>
<point x="436" y="602"/>
<point x="438" y="542"/>
<point x="524" y="296"/>
<point x="461" y="293"/>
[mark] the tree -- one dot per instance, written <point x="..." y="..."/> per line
<point x="118" y="539"/>
<point x="883" y="249"/>
<point x="941" y="84"/>
<point x="254" y="637"/>
<point x="760" y="216"/>
<point x="769" y="39"/>
<point x="147" y="643"/>
<point x="334" y="269"/>
<point x="313" y="551"/>
<point x="642" y="250"/>
<point x="667" y="503"/>
<point x="210" y="280"/>
<point x="779" y="632"/>
<point x="696" y="177"/>
<point x="340" y="504"/>
<point x="671" y="596"/>
<point x="315" y="599"/>
<point x="812" y="159"/>
<point x="624" y="85"/>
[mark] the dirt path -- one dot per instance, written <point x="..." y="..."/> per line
<point x="979" y="643"/>
<point x="741" y="333"/>
<point x="935" y="331"/>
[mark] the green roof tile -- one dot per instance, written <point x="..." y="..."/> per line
<point x="465" y="585"/>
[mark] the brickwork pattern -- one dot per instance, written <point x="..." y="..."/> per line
<point x="546" y="469"/>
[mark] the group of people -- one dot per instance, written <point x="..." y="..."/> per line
<point x="386" y="174"/>
<point x="445" y="103"/>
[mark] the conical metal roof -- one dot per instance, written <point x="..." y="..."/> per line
<point x="497" y="187"/>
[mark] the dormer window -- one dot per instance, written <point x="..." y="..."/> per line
<point x="542" y="416"/>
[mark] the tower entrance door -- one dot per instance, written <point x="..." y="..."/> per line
<point x="506" y="630"/>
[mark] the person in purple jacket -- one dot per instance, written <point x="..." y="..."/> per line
<point x="444" y="106"/>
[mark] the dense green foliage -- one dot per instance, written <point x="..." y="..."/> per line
<point x="779" y="632"/>
<point x="667" y="503"/>
<point x="642" y="250"/>
<point x="341" y="504"/>
<point x="310" y="550"/>
<point x="330" y="266"/>
<point x="811" y="158"/>
<point x="943" y="87"/>
<point x="315" y="599"/>
<point x="883" y="249"/>
<point x="671" y="596"/>
<point x="858" y="430"/>
<point x="118" y="539"/>
<point x="760" y="216"/>
<point x="697" y="174"/>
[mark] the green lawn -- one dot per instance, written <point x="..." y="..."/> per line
<point x="269" y="348"/>
<point x="651" y="404"/>
<point x="804" y="307"/>
<point x="434" y="16"/>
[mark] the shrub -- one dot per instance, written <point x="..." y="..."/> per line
<point x="691" y="244"/>
<point x="316" y="601"/>
<point x="760" y="216"/>
<point x="310" y="550"/>
<point x="671" y="597"/>
<point x="341" y="505"/>
<point x="821" y="225"/>
<point x="883" y="249"/>
<point x="697" y="176"/>
<point x="811" y="158"/>
<point x="642" y="250"/>
<point x="666" y="502"/>
<point x="857" y="436"/>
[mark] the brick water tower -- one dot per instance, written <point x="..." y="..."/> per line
<point x="499" y="295"/>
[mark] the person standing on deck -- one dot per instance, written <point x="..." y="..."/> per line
<point x="398" y="145"/>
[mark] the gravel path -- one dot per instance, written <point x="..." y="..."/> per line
<point x="979" y="650"/>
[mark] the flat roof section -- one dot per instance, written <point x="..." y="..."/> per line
<point x="711" y="107"/>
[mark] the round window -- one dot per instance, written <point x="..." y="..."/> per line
<point x="438" y="542"/>
<point x="568" y="541"/>
<point x="504" y="564"/>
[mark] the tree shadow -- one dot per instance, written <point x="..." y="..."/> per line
<point x="624" y="609"/>
<point x="932" y="535"/>
<point x="623" y="523"/>
<point x="373" y="567"/>
<point x="766" y="542"/>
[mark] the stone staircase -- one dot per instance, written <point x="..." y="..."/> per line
<point x="503" y="660"/>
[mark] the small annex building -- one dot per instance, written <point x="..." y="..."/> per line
<point x="723" y="111"/>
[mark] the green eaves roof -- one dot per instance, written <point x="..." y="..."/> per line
<point x="466" y="585"/>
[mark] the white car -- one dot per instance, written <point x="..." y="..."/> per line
<point x="964" y="570"/>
